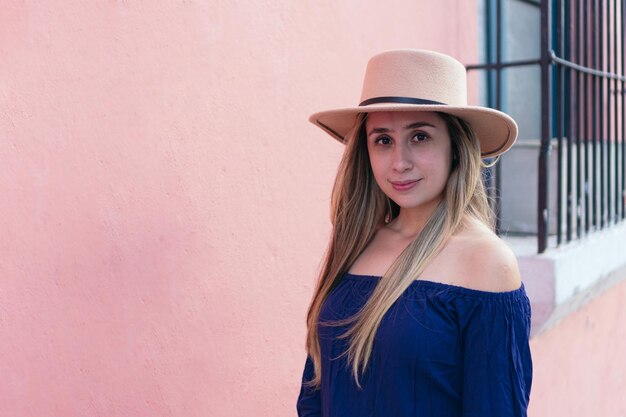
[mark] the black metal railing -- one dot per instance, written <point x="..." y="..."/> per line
<point x="494" y="68"/>
<point x="583" y="88"/>
<point x="583" y="82"/>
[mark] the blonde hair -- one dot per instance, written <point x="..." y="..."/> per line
<point x="359" y="208"/>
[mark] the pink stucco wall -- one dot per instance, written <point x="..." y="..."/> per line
<point x="579" y="367"/>
<point x="164" y="199"/>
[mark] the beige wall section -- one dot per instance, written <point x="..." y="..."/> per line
<point x="165" y="201"/>
<point x="579" y="367"/>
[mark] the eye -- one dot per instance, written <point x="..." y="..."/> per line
<point x="382" y="140"/>
<point x="420" y="137"/>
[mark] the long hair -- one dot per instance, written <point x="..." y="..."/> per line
<point x="359" y="208"/>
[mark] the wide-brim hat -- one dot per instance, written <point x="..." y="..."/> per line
<point x="419" y="80"/>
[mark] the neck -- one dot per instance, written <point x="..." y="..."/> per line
<point x="411" y="221"/>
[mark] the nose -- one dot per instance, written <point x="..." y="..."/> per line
<point x="401" y="159"/>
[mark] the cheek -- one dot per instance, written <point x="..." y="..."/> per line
<point x="438" y="167"/>
<point x="378" y="165"/>
<point x="378" y="169"/>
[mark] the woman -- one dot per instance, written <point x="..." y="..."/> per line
<point x="419" y="309"/>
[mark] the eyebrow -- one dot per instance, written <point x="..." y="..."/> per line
<point x="407" y="127"/>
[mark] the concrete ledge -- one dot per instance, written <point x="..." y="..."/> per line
<point x="583" y="297"/>
<point x="554" y="277"/>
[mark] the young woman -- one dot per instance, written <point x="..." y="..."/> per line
<point x="419" y="309"/>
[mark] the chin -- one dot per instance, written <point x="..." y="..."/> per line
<point x="415" y="204"/>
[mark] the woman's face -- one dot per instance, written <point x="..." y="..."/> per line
<point x="410" y="154"/>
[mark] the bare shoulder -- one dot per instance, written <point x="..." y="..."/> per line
<point x="488" y="262"/>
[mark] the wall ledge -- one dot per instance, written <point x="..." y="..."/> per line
<point x="563" y="279"/>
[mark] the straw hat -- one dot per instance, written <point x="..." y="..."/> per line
<point x="418" y="80"/>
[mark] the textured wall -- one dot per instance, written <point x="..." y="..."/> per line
<point x="579" y="366"/>
<point x="165" y="201"/>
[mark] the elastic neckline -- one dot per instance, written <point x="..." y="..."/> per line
<point x="423" y="283"/>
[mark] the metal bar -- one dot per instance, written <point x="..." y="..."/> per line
<point x="559" y="82"/>
<point x="490" y="172"/>
<point x="585" y="69"/>
<point x="569" y="93"/>
<point x="491" y="66"/>
<point x="618" y="155"/>
<point x="587" y="117"/>
<point x="616" y="140"/>
<point x="620" y="138"/>
<point x="544" y="151"/>
<point x="498" y="171"/>
<point x="622" y="195"/>
<point x="607" y="135"/>
<point x="611" y="113"/>
<point x="594" y="172"/>
<point x="601" y="117"/>
<point x="579" y="116"/>
<point x="612" y="178"/>
<point x="587" y="83"/>
<point x="616" y="182"/>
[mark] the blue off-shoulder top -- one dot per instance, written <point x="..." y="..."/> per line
<point x="440" y="351"/>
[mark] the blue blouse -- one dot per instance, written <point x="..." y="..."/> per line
<point x="441" y="350"/>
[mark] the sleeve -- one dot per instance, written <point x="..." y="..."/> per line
<point x="497" y="363"/>
<point x="309" y="401"/>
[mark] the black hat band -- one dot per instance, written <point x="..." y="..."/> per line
<point x="401" y="100"/>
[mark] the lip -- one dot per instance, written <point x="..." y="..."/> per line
<point x="403" y="185"/>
